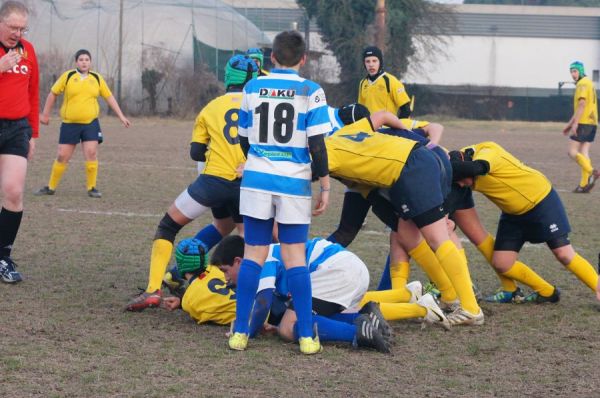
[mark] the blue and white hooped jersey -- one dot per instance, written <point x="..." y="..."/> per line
<point x="334" y="119"/>
<point x="278" y="114"/>
<point x="318" y="252"/>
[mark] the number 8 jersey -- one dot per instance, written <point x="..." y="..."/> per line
<point x="278" y="114"/>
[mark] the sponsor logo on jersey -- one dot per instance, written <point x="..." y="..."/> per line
<point x="276" y="93"/>
<point x="19" y="69"/>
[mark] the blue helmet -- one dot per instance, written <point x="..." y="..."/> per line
<point x="239" y="70"/>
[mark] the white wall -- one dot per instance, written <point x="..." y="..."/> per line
<point x="505" y="62"/>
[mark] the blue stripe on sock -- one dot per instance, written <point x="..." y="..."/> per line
<point x="386" y="280"/>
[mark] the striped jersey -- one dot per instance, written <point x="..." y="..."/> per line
<point x="334" y="119"/>
<point x="318" y="252"/>
<point x="278" y="114"/>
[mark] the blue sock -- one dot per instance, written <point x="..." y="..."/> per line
<point x="346" y="317"/>
<point x="247" y="285"/>
<point x="331" y="330"/>
<point x="386" y="281"/>
<point x="210" y="236"/>
<point x="298" y="279"/>
<point x="331" y="238"/>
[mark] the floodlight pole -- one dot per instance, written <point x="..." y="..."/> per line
<point x="120" y="54"/>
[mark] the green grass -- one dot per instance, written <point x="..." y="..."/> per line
<point x="64" y="333"/>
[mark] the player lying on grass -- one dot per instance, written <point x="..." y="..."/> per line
<point x="214" y="141"/>
<point x="202" y="291"/>
<point x="358" y="155"/>
<point x="531" y="212"/>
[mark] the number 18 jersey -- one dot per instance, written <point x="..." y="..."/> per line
<point x="278" y="114"/>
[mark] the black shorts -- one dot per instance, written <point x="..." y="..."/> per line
<point x="459" y="198"/>
<point x="74" y="133"/>
<point x="221" y="195"/>
<point x="14" y="137"/>
<point x="585" y="133"/>
<point x="546" y="222"/>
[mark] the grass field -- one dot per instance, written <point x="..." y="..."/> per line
<point x="63" y="332"/>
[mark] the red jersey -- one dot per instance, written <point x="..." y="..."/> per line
<point x="19" y="88"/>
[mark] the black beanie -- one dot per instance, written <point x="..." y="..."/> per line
<point x="373" y="51"/>
<point x="351" y="113"/>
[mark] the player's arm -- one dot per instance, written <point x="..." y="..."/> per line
<point x="400" y="98"/>
<point x="112" y="102"/>
<point x="320" y="168"/>
<point x="574" y="122"/>
<point x="434" y="132"/>
<point x="385" y="118"/>
<point x="50" y="100"/>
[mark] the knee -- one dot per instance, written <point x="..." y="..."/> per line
<point x="286" y="331"/>
<point x="564" y="258"/>
<point x="63" y="158"/>
<point x="13" y="196"/>
<point x="344" y="235"/>
<point x="572" y="153"/>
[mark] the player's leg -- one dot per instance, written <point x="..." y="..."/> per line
<point x="354" y="212"/>
<point x="575" y="263"/>
<point x="89" y="142"/>
<point x="185" y="209"/>
<point x="399" y="264"/>
<point x="470" y="224"/>
<point x="13" y="169"/>
<point x="412" y="240"/>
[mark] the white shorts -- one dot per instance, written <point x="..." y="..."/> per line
<point x="342" y="279"/>
<point x="188" y="206"/>
<point x="284" y="209"/>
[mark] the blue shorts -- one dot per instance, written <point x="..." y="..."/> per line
<point x="544" y="223"/>
<point x="259" y="232"/>
<point x="585" y="133"/>
<point x="418" y="194"/>
<point x="74" y="133"/>
<point x="14" y="137"/>
<point x="219" y="194"/>
<point x="446" y="169"/>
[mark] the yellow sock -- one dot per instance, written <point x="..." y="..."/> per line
<point x="486" y="248"/>
<point x="159" y="260"/>
<point x="91" y="174"/>
<point x="522" y="273"/>
<point x="58" y="169"/>
<point x="397" y="311"/>
<point x="584" y="271"/>
<point x="429" y="262"/>
<point x="385" y="296"/>
<point x="586" y="168"/>
<point x="458" y="273"/>
<point x="399" y="273"/>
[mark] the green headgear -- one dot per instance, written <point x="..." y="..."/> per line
<point x="578" y="66"/>
<point x="255" y="53"/>
<point x="239" y="70"/>
<point x="190" y="256"/>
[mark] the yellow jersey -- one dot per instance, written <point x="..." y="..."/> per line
<point x="360" y="155"/>
<point x="412" y="124"/>
<point x="217" y="126"/>
<point x="511" y="185"/>
<point x="386" y="93"/>
<point x="80" y="102"/>
<point x="585" y="90"/>
<point x="209" y="299"/>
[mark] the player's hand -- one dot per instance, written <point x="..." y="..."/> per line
<point x="566" y="129"/>
<point x="171" y="303"/>
<point x="322" y="203"/>
<point x="598" y="290"/>
<point x="44" y="119"/>
<point x="9" y="60"/>
<point x="125" y="122"/>
<point x="31" y="149"/>
<point x="239" y="171"/>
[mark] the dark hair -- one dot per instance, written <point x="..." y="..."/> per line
<point x="289" y="48"/>
<point x="82" y="52"/>
<point x="230" y="247"/>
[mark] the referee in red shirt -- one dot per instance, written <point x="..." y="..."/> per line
<point x="19" y="125"/>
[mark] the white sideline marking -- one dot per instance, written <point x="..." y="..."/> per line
<point x="109" y="213"/>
